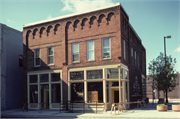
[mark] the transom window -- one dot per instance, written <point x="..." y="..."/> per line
<point x="50" y="55"/>
<point x="112" y="73"/>
<point x="94" y="74"/>
<point x="79" y="75"/>
<point x="106" y="48"/>
<point x="90" y="49"/>
<point x="75" y="52"/>
<point x="37" y="57"/>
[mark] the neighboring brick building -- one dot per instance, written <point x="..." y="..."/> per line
<point x="174" y="94"/>
<point x="97" y="54"/>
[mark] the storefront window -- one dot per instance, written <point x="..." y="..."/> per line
<point x="127" y="91"/>
<point x="121" y="73"/>
<point x="126" y="74"/>
<point x="55" y="77"/>
<point x="95" y="92"/>
<point x="44" y="77"/>
<point x="113" y="74"/>
<point x="94" y="74"/>
<point x="77" y="75"/>
<point x="77" y="92"/>
<point x="55" y="93"/>
<point x="33" y="79"/>
<point x="33" y="93"/>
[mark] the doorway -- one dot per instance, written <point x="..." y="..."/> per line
<point x="44" y="96"/>
<point x="115" y="95"/>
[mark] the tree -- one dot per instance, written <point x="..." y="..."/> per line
<point x="152" y="72"/>
<point x="164" y="73"/>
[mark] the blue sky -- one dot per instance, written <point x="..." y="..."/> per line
<point x="151" y="19"/>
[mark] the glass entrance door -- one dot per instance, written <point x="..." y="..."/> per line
<point x="116" y="96"/>
<point x="44" y="96"/>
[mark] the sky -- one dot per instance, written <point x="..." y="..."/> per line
<point x="151" y="19"/>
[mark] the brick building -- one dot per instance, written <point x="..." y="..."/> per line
<point x="174" y="94"/>
<point x="90" y="56"/>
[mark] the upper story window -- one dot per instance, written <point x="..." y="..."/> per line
<point x="50" y="55"/>
<point x="135" y="58"/>
<point x="90" y="49"/>
<point x="138" y="60"/>
<point x="37" y="57"/>
<point x="106" y="53"/>
<point x="132" y="55"/>
<point x="20" y="61"/>
<point x="124" y="44"/>
<point x="75" y="52"/>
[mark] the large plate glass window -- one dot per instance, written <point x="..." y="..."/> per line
<point x="95" y="92"/>
<point x="77" y="92"/>
<point x="55" y="93"/>
<point x="37" y="57"/>
<point x="90" y="50"/>
<point x="50" y="55"/>
<point x="33" y="93"/>
<point x="79" y="75"/>
<point x="94" y="74"/>
<point x="112" y="73"/>
<point x="106" y="48"/>
<point x="75" y="52"/>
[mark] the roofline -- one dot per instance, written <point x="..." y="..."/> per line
<point x="10" y="28"/>
<point x="69" y="15"/>
<point x="135" y="32"/>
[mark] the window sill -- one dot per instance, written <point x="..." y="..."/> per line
<point x="90" y="60"/>
<point x="51" y="65"/>
<point x="106" y="59"/>
<point x="76" y="62"/>
<point x="38" y="66"/>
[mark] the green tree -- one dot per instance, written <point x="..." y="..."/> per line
<point x="164" y="73"/>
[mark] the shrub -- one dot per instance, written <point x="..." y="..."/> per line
<point x="161" y="105"/>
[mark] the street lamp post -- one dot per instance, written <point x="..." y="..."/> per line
<point x="165" y="60"/>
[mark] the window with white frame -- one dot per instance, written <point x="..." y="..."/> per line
<point x="132" y="55"/>
<point x="50" y="55"/>
<point x="90" y="49"/>
<point x="138" y="60"/>
<point x="75" y="52"/>
<point x="106" y="48"/>
<point x="124" y="43"/>
<point x="37" y="57"/>
<point x="135" y="58"/>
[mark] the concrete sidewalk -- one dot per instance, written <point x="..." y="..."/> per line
<point x="138" y="113"/>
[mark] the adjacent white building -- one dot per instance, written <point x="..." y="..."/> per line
<point x="12" y="71"/>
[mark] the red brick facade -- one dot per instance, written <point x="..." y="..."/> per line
<point x="111" y="22"/>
